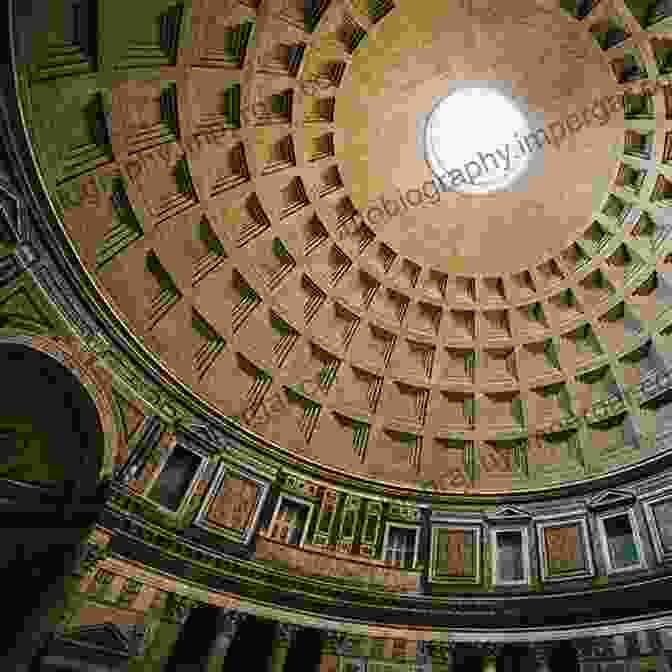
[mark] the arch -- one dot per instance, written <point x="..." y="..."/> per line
<point x="55" y="417"/>
<point x="80" y="366"/>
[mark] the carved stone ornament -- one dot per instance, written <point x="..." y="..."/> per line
<point x="136" y="639"/>
<point x="130" y="591"/>
<point x="423" y="652"/>
<point x="91" y="556"/>
<point x="143" y="452"/>
<point x="287" y="631"/>
<point x="490" y="649"/>
<point x="603" y="647"/>
<point x="102" y="579"/>
<point x="542" y="654"/>
<point x="632" y="644"/>
<point x="139" y="636"/>
<point x="10" y="269"/>
<point x="442" y="652"/>
<point x="584" y="648"/>
<point x="341" y="642"/>
<point x="178" y="607"/>
<point x="231" y="621"/>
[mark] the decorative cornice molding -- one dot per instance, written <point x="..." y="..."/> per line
<point x="139" y="636"/>
<point x="490" y="649"/>
<point x="178" y="607"/>
<point x="542" y="652"/>
<point x="508" y="514"/>
<point x="611" y="498"/>
<point x="142" y="451"/>
<point x="92" y="554"/>
<point x="555" y="615"/>
<point x="230" y="620"/>
<point x="286" y="632"/>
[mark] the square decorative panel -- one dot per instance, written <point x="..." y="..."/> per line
<point x="565" y="550"/>
<point x="232" y="506"/>
<point x="455" y="554"/>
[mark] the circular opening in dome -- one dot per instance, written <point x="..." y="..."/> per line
<point x="469" y="141"/>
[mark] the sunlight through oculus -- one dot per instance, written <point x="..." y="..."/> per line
<point x="474" y="132"/>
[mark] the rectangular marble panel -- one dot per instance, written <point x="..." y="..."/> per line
<point x="235" y="504"/>
<point x="455" y="553"/>
<point x="564" y="549"/>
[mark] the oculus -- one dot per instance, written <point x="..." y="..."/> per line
<point x="474" y="141"/>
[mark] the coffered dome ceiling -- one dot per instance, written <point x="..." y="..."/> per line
<point x="214" y="172"/>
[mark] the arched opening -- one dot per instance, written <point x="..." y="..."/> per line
<point x="50" y="432"/>
<point x="51" y="451"/>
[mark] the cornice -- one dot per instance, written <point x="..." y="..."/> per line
<point x="332" y="627"/>
<point x="192" y="562"/>
<point x="525" y="616"/>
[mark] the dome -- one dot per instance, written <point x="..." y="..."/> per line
<point x="373" y="301"/>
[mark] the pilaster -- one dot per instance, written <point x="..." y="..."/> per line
<point x="142" y="452"/>
<point x="423" y="656"/>
<point x="583" y="651"/>
<point x="229" y="622"/>
<point x="332" y="643"/>
<point x="14" y="264"/>
<point x="173" y="616"/>
<point x="542" y="655"/>
<point x="442" y="656"/>
<point x="662" y="662"/>
<point x="490" y="652"/>
<point x="284" y="636"/>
